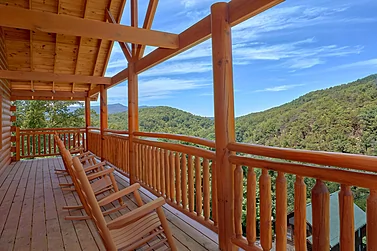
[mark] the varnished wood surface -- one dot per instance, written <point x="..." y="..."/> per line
<point x="31" y="217"/>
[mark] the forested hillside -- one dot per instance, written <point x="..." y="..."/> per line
<point x="164" y="119"/>
<point x="339" y="119"/>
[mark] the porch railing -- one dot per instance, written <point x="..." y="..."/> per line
<point x="182" y="169"/>
<point x="33" y="143"/>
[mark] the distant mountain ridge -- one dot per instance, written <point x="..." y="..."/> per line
<point x="341" y="119"/>
<point x="112" y="108"/>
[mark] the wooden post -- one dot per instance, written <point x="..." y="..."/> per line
<point x="224" y="119"/>
<point x="103" y="118"/>
<point x="133" y="116"/>
<point x="18" y="144"/>
<point x="87" y="121"/>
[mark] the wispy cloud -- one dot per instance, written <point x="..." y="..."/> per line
<point x="365" y="63"/>
<point x="159" y="88"/>
<point x="178" y="68"/>
<point x="279" y="88"/>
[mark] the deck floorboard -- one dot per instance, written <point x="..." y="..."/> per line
<point x="31" y="215"/>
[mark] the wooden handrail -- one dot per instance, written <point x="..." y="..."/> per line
<point x="330" y="174"/>
<point x="189" y="139"/>
<point x="116" y="131"/>
<point x="52" y="129"/>
<point x="179" y="148"/>
<point x="344" y="160"/>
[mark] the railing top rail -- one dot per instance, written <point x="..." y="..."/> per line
<point x="345" y="177"/>
<point x="189" y="139"/>
<point x="53" y="129"/>
<point x="192" y="150"/>
<point x="116" y="131"/>
<point x="344" y="160"/>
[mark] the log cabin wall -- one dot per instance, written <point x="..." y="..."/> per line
<point x="5" y="131"/>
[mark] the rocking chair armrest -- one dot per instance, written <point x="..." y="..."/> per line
<point x="76" y="149"/>
<point x="100" y="174"/>
<point x="136" y="214"/>
<point x="95" y="167"/>
<point x="117" y="195"/>
<point x="85" y="154"/>
<point x="82" y="160"/>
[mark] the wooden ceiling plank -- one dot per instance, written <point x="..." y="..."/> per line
<point x="53" y="77"/>
<point x="56" y="46"/>
<point x="112" y="42"/>
<point x="134" y="23"/>
<point x="79" y="45"/>
<point x="53" y="23"/>
<point x="26" y="93"/>
<point x="31" y="51"/>
<point x="239" y="11"/>
<point x="124" y="46"/>
<point x="149" y="16"/>
<point x="14" y="98"/>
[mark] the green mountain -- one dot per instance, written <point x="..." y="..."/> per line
<point x="341" y="119"/>
<point x="165" y="119"/>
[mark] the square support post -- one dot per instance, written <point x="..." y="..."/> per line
<point x="103" y="118"/>
<point x="87" y="122"/>
<point x="133" y="116"/>
<point x="224" y="119"/>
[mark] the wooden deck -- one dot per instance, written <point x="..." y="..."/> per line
<point x="31" y="217"/>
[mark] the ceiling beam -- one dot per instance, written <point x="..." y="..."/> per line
<point x="134" y="22"/>
<point x="94" y="91"/>
<point x="124" y="46"/>
<point x="58" y="94"/>
<point x="62" y="24"/>
<point x="53" y="77"/>
<point x="149" y="16"/>
<point x="14" y="98"/>
<point x="239" y="10"/>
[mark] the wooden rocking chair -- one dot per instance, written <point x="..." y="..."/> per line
<point x="129" y="231"/>
<point x="87" y="158"/>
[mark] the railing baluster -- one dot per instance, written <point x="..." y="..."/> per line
<point x="238" y="198"/>
<point x="184" y="181"/>
<point x="135" y="162"/>
<point x="198" y="186"/>
<point x="44" y="144"/>
<point x="321" y="216"/>
<point x="281" y="212"/>
<point x="251" y="221"/>
<point x="190" y="184"/>
<point x="214" y="192"/>
<point x="28" y="144"/>
<point x="162" y="167"/>
<point x="206" y="203"/>
<point x="150" y="167"/>
<point x="167" y="175"/>
<point x="265" y="210"/>
<point x="154" y="165"/>
<point x="158" y="171"/>
<point x="372" y="220"/>
<point x="39" y="144"/>
<point x="172" y="176"/>
<point x="346" y="218"/>
<point x="300" y="214"/>
<point x="177" y="179"/>
<point x="147" y="166"/>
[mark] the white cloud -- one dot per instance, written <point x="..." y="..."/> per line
<point x="178" y="68"/>
<point x="159" y="88"/>
<point x="279" y="88"/>
<point x="364" y="63"/>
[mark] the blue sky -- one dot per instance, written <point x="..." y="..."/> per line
<point x="279" y="55"/>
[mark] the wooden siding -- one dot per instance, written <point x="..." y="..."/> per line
<point x="5" y="133"/>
